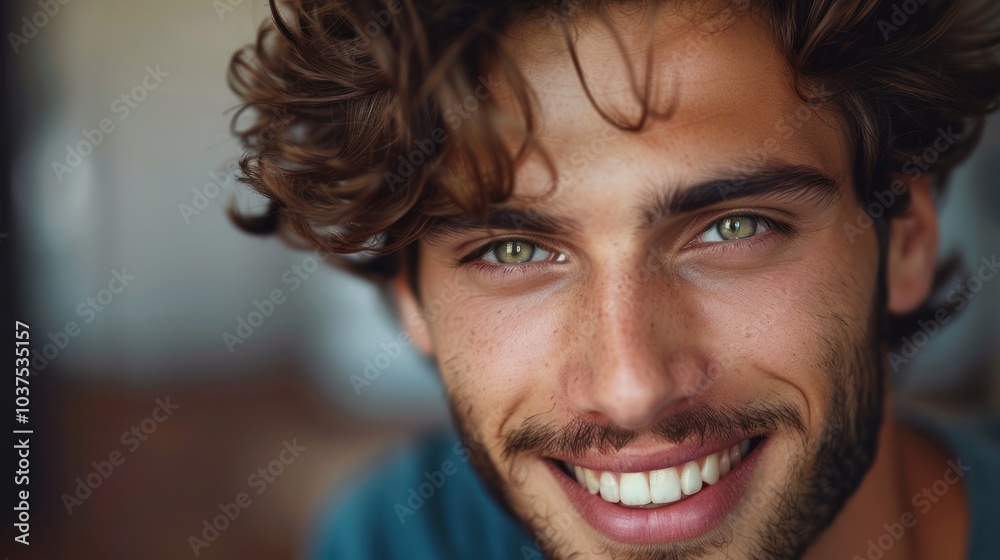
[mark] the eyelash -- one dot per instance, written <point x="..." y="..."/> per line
<point x="475" y="258"/>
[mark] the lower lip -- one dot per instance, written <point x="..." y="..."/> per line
<point x="685" y="519"/>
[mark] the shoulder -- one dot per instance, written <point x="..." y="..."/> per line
<point x="973" y="457"/>
<point x="976" y="448"/>
<point x="422" y="501"/>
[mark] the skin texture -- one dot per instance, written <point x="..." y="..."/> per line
<point x="635" y="319"/>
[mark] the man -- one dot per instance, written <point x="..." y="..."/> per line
<point x="661" y="253"/>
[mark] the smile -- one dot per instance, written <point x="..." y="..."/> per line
<point x="659" y="497"/>
<point x="659" y="487"/>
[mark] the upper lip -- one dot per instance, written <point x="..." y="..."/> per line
<point x="638" y="460"/>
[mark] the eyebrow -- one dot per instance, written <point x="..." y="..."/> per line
<point x="659" y="204"/>
<point x="516" y="219"/>
<point x="785" y="180"/>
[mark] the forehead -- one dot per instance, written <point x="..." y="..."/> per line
<point x="725" y="90"/>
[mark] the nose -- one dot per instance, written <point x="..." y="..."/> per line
<point x="635" y="366"/>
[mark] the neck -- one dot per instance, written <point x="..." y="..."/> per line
<point x="887" y="518"/>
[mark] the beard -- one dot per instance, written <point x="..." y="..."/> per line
<point x="828" y="471"/>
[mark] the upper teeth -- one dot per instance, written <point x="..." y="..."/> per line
<point x="661" y="486"/>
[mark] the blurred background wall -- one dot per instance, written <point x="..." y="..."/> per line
<point x="122" y="172"/>
<point x="144" y="199"/>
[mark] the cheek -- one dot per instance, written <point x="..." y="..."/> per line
<point x="776" y="327"/>
<point x="497" y="355"/>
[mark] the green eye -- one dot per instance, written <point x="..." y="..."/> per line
<point x="736" y="227"/>
<point x="517" y="252"/>
<point x="512" y="251"/>
<point x="732" y="228"/>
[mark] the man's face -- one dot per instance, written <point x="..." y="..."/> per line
<point x="684" y="324"/>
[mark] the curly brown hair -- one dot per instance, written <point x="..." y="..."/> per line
<point x="344" y="94"/>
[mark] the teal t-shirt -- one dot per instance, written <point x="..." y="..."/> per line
<point x="427" y="503"/>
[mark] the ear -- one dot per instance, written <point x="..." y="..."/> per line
<point x="912" y="249"/>
<point x="411" y="314"/>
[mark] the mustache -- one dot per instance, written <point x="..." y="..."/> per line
<point x="537" y="437"/>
